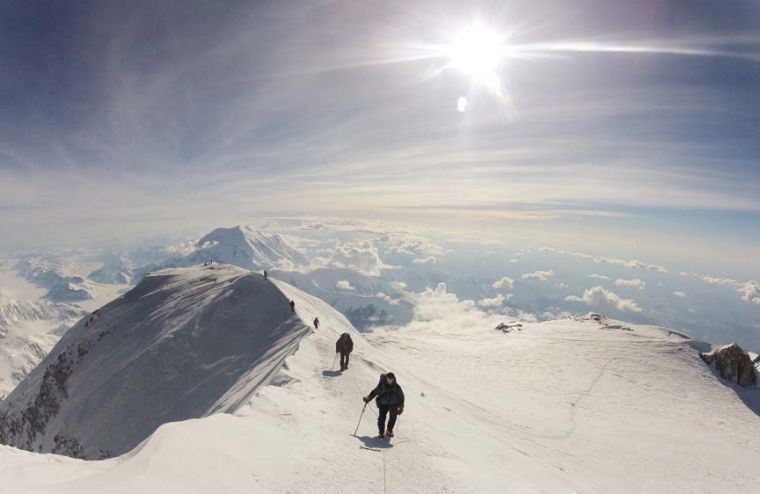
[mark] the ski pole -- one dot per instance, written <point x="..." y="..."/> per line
<point x="360" y="418"/>
<point x="334" y="359"/>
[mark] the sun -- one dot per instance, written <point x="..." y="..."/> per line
<point x="477" y="51"/>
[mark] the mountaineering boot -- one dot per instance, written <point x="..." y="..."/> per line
<point x="389" y="433"/>
<point x="380" y="434"/>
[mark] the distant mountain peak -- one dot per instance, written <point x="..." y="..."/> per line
<point x="246" y="248"/>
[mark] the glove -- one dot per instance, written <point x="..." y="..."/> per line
<point x="399" y="410"/>
<point x="366" y="399"/>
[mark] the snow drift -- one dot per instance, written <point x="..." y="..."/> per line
<point x="184" y="343"/>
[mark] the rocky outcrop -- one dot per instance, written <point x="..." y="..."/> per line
<point x="508" y="327"/>
<point x="733" y="364"/>
<point x="23" y="429"/>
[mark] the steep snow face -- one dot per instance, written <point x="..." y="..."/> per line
<point x="243" y="247"/>
<point x="184" y="343"/>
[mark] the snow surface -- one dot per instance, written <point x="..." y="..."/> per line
<point x="559" y="406"/>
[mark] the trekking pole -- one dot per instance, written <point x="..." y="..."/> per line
<point x="334" y="359"/>
<point x="360" y="418"/>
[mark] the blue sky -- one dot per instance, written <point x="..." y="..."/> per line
<point x="630" y="127"/>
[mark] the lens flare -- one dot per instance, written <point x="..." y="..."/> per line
<point x="476" y="51"/>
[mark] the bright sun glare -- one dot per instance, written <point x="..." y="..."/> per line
<point x="477" y="51"/>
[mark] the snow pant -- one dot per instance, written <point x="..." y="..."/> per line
<point x="382" y="412"/>
<point x="344" y="360"/>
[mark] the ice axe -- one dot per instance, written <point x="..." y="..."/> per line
<point x="360" y="418"/>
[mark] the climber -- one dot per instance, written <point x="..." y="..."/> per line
<point x="344" y="346"/>
<point x="390" y="398"/>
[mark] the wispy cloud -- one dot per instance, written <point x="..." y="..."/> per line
<point x="742" y="47"/>
<point x="633" y="263"/>
<point x="320" y="108"/>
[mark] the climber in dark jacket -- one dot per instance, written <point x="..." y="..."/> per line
<point x="344" y="346"/>
<point x="390" y="398"/>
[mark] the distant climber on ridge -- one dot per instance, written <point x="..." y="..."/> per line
<point x="316" y="323"/>
<point x="344" y="346"/>
<point x="390" y="398"/>
<point x="266" y="275"/>
<point x="293" y="306"/>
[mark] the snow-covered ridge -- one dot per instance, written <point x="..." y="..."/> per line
<point x="183" y="343"/>
<point x="572" y="405"/>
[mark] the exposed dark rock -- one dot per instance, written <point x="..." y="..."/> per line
<point x="68" y="446"/>
<point x="22" y="429"/>
<point x="509" y="327"/>
<point x="733" y="364"/>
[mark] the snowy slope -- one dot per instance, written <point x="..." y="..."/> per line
<point x="246" y="248"/>
<point x="560" y="406"/>
<point x="183" y="343"/>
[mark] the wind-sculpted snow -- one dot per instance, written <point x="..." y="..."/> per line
<point x="184" y="343"/>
